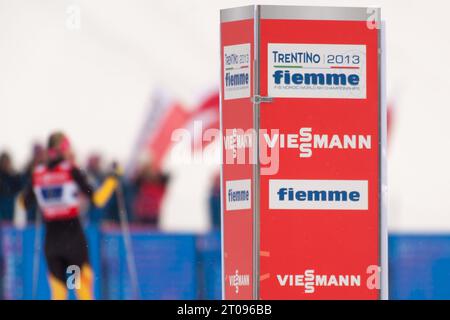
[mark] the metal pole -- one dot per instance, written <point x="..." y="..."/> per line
<point x="131" y="262"/>
<point x="256" y="166"/>
<point x="36" y="253"/>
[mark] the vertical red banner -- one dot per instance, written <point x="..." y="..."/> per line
<point x="237" y="47"/>
<point x="306" y="221"/>
<point x="320" y="212"/>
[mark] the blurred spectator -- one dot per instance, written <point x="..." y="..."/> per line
<point x="94" y="168"/>
<point x="214" y="203"/>
<point x="95" y="176"/>
<point x="150" y="186"/>
<point x="38" y="156"/>
<point x="11" y="183"/>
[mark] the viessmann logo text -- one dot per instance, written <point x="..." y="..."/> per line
<point x="311" y="280"/>
<point x="237" y="280"/>
<point x="236" y="63"/>
<point x="237" y="141"/>
<point x="307" y="140"/>
<point x="317" y="71"/>
<point x="318" y="194"/>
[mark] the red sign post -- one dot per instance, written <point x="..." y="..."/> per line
<point x="303" y="124"/>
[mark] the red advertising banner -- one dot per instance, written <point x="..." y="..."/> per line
<point x="319" y="230"/>
<point x="323" y="240"/>
<point x="237" y="171"/>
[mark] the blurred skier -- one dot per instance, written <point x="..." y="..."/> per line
<point x="56" y="186"/>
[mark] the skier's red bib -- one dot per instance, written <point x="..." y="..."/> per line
<point x="56" y="191"/>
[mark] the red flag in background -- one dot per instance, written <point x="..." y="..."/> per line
<point x="153" y="141"/>
<point x="167" y="115"/>
<point x="207" y="113"/>
<point x="211" y="101"/>
<point x="161" y="140"/>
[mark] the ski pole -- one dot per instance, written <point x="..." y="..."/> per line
<point x="36" y="253"/>
<point x="131" y="262"/>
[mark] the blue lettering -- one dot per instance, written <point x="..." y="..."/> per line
<point x="329" y="79"/>
<point x="239" y="79"/>
<point x="318" y="195"/>
<point x="239" y="195"/>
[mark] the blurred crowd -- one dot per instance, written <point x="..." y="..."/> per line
<point x="143" y="192"/>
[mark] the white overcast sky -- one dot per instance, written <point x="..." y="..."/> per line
<point x="95" y="82"/>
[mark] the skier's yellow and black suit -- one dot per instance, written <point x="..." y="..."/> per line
<point x="56" y="187"/>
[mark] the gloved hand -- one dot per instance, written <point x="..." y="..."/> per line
<point x="109" y="185"/>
